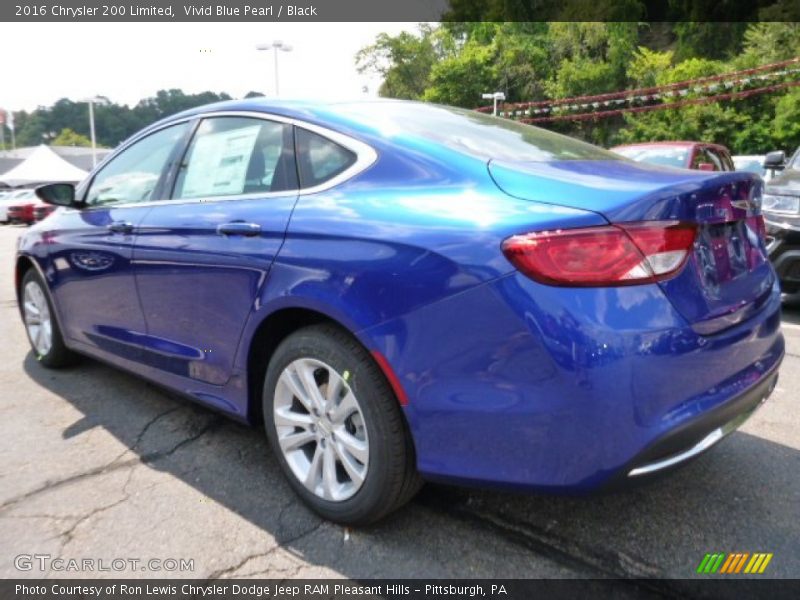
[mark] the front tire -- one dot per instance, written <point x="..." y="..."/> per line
<point x="337" y="428"/>
<point x="41" y="325"/>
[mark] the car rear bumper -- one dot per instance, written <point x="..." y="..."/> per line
<point x="525" y="386"/>
<point x="690" y="440"/>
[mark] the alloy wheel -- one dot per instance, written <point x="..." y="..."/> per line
<point x="321" y="430"/>
<point x="37" y="317"/>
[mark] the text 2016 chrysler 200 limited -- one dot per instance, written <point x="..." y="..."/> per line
<point x="403" y="291"/>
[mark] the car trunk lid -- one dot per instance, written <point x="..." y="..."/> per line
<point x="727" y="277"/>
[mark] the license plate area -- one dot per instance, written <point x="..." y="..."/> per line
<point x="728" y="251"/>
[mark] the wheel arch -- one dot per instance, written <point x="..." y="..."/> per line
<point x="23" y="265"/>
<point x="276" y="327"/>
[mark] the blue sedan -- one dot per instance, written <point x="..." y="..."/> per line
<point x="403" y="292"/>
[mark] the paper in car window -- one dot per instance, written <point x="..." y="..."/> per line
<point x="218" y="164"/>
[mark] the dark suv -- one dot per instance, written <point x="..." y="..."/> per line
<point x="782" y="215"/>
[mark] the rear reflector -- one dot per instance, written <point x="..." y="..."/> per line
<point x="391" y="377"/>
<point x="609" y="255"/>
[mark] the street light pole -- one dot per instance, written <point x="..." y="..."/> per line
<point x="91" y="131"/>
<point x="277" y="90"/>
<point x="276" y="45"/>
<point x="91" y="100"/>
<point x="494" y="98"/>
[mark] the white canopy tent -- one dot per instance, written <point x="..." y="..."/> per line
<point x="42" y="166"/>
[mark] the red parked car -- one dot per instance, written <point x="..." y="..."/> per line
<point x="685" y="155"/>
<point x="40" y="211"/>
<point x="23" y="210"/>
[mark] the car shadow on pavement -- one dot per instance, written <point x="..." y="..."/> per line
<point x="740" y="497"/>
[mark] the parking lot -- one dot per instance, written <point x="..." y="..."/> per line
<point x="101" y="465"/>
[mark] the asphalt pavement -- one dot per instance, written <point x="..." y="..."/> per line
<point x="97" y="464"/>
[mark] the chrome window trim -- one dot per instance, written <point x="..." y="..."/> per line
<point x="365" y="158"/>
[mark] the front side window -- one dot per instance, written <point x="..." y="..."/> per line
<point x="231" y="156"/>
<point x="320" y="159"/>
<point x="133" y="174"/>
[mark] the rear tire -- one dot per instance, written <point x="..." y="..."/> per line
<point x="41" y="324"/>
<point x="336" y="427"/>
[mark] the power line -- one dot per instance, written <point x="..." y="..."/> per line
<point x="680" y="88"/>
<point x="652" y="107"/>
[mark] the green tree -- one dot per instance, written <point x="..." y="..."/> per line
<point x="455" y="62"/>
<point x="785" y="128"/>
<point x="68" y="137"/>
<point x="489" y="57"/>
<point x="461" y="79"/>
<point x="592" y="57"/>
<point x="765" y="43"/>
<point x="647" y="67"/>
<point x="719" y="40"/>
<point x="113" y="122"/>
<point x="403" y="61"/>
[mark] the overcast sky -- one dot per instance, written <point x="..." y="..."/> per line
<point x="42" y="62"/>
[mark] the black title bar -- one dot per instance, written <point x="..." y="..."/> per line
<point x="398" y="10"/>
<point x="395" y="589"/>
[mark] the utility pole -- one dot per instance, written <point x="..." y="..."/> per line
<point x="11" y="127"/>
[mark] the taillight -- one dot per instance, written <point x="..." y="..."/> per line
<point x="609" y="255"/>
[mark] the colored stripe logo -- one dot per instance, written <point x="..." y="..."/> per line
<point x="735" y="562"/>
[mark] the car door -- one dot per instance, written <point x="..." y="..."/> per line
<point x="91" y="247"/>
<point x="202" y="257"/>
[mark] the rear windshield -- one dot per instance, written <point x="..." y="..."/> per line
<point x="668" y="156"/>
<point x="471" y="132"/>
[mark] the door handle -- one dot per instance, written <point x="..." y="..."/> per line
<point x="121" y="227"/>
<point x="239" y="228"/>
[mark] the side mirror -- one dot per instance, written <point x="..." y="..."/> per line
<point x="705" y="166"/>
<point x="58" y="194"/>
<point x="775" y="160"/>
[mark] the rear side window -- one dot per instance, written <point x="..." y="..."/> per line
<point x="231" y="156"/>
<point x="319" y="159"/>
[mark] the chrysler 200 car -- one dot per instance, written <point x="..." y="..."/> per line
<point x="401" y="291"/>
